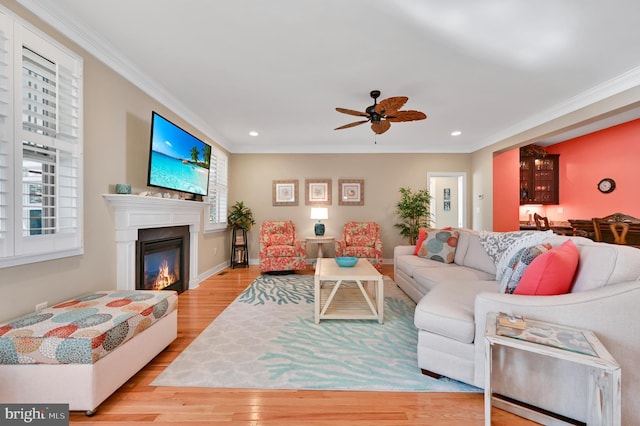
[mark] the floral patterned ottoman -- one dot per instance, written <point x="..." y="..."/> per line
<point x="80" y="351"/>
<point x="82" y="330"/>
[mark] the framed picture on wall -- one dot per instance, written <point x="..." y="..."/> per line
<point x="285" y="192"/>
<point x="351" y="192"/>
<point x="317" y="192"/>
<point x="447" y="199"/>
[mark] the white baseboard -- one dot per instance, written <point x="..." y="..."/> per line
<point x="208" y="273"/>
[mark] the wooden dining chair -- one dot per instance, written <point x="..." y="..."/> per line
<point x="618" y="230"/>
<point x="583" y="228"/>
<point x="542" y="222"/>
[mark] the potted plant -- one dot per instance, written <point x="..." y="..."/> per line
<point x="413" y="210"/>
<point x="240" y="216"/>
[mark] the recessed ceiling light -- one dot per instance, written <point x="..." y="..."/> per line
<point x="253" y="133"/>
<point x="456" y="133"/>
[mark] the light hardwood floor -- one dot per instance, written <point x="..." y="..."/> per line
<point x="138" y="403"/>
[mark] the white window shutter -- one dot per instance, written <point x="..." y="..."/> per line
<point x="41" y="182"/>
<point x="218" y="188"/>
<point x="6" y="137"/>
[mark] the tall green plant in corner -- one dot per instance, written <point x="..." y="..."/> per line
<point x="413" y="211"/>
<point x="240" y="216"/>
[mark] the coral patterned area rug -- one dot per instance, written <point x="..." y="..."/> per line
<point x="267" y="339"/>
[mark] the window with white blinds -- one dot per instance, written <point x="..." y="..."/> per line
<point x="40" y="147"/>
<point x="6" y="137"/>
<point x="218" y="188"/>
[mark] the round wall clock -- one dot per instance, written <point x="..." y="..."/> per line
<point x="606" y="185"/>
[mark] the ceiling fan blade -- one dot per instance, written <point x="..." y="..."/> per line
<point x="408" y="115"/>
<point x="346" y="126"/>
<point x="352" y="112"/>
<point x="379" y="127"/>
<point x="391" y="105"/>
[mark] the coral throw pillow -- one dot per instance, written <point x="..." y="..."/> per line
<point x="422" y="235"/>
<point x="551" y="272"/>
<point x="518" y="265"/>
<point x="440" y="245"/>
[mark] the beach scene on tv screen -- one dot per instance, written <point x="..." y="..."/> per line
<point x="178" y="160"/>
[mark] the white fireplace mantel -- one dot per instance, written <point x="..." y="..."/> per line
<point x="134" y="212"/>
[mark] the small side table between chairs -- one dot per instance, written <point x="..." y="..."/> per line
<point x="320" y="241"/>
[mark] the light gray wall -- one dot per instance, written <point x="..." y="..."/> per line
<point x="252" y="176"/>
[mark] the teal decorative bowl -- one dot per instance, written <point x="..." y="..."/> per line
<point x="346" y="262"/>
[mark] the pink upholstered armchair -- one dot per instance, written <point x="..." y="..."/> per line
<point x="361" y="239"/>
<point x="279" y="248"/>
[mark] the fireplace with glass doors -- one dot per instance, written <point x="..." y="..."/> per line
<point x="162" y="259"/>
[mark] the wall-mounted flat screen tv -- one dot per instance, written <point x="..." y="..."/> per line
<point x="177" y="160"/>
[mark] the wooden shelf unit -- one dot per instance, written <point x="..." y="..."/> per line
<point x="239" y="248"/>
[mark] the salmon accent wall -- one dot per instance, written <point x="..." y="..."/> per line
<point x="506" y="190"/>
<point x="584" y="161"/>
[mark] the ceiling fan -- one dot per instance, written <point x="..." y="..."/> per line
<point x="382" y="114"/>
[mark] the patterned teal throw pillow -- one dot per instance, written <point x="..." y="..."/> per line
<point x="440" y="245"/>
<point x="518" y="264"/>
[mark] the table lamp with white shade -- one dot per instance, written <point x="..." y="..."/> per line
<point x="319" y="213"/>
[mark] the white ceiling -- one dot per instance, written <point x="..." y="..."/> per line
<point x="490" y="68"/>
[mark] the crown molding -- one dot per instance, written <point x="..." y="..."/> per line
<point x="585" y="105"/>
<point x="90" y="41"/>
<point x="606" y="91"/>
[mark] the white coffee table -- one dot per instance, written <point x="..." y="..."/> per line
<point x="348" y="293"/>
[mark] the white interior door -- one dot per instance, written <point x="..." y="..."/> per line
<point x="448" y="192"/>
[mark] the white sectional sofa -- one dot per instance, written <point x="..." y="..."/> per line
<point x="453" y="301"/>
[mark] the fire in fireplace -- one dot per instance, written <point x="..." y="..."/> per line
<point x="162" y="267"/>
<point x="162" y="258"/>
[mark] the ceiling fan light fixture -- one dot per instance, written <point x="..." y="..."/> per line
<point x="382" y="114"/>
<point x="373" y="115"/>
